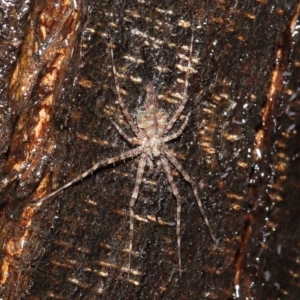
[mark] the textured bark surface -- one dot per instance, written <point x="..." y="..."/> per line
<point x="240" y="146"/>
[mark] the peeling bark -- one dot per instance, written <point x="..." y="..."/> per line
<point x="240" y="146"/>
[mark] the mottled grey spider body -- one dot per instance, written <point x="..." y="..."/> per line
<point x="151" y="136"/>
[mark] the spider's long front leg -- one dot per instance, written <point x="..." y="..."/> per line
<point x="170" y="178"/>
<point x="184" y="98"/>
<point x="120" y="99"/>
<point x="134" y="196"/>
<point x="101" y="163"/>
<point x="187" y="177"/>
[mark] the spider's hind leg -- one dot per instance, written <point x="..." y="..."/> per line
<point x="184" y="96"/>
<point x="120" y="99"/>
<point x="133" y="141"/>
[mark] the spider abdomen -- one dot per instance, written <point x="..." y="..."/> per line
<point x="152" y="122"/>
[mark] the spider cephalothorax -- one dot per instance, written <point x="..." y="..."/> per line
<point x="151" y="135"/>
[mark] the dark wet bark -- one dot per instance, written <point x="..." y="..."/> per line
<point x="240" y="146"/>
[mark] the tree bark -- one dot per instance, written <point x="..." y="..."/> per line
<point x="240" y="146"/>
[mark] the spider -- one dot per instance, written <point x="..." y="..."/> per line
<point x="151" y="135"/>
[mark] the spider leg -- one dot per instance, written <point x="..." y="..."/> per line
<point x="187" y="177"/>
<point x="178" y="133"/>
<point x="139" y="177"/>
<point x="101" y="163"/>
<point x="186" y="84"/>
<point x="133" y="141"/>
<point x="170" y="178"/>
<point x="158" y="166"/>
<point x="121" y="102"/>
<point x="150" y="164"/>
